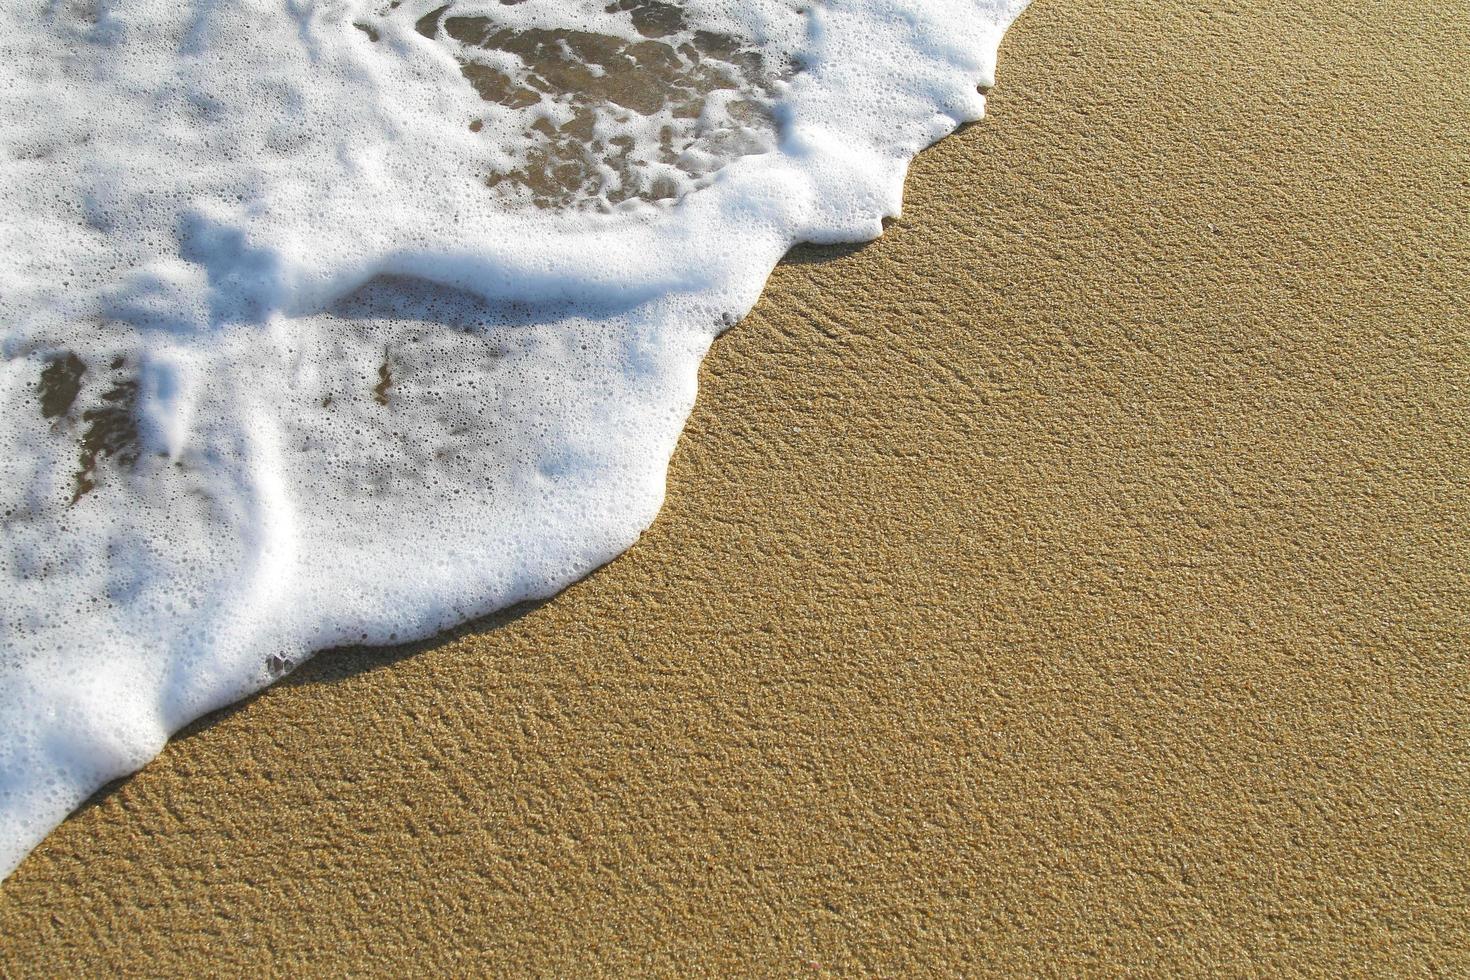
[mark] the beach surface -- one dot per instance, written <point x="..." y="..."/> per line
<point x="1076" y="578"/>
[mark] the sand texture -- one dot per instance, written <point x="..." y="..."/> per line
<point x="1077" y="578"/>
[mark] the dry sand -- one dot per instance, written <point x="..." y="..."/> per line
<point x="1076" y="577"/>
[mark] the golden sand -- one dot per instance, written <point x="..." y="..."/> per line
<point x="1077" y="577"/>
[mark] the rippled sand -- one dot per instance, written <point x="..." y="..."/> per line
<point x="1073" y="578"/>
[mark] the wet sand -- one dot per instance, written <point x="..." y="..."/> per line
<point x="1076" y="578"/>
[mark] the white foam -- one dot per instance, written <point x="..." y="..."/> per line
<point x="307" y="343"/>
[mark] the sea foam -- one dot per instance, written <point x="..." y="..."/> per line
<point x="346" y="322"/>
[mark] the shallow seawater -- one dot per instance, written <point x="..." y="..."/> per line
<point x="348" y="322"/>
<point x="618" y="119"/>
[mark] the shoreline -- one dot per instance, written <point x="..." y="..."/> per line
<point x="1065" y="579"/>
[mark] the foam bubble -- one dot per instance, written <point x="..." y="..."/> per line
<point x="346" y="322"/>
